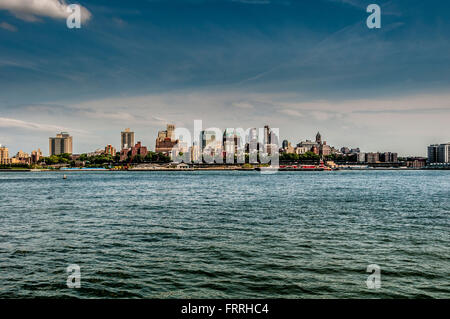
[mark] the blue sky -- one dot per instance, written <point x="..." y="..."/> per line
<point x="301" y="66"/>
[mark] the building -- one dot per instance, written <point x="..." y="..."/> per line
<point x="97" y="152"/>
<point x="267" y="135"/>
<point x="416" y="162"/>
<point x="110" y="150"/>
<point x="130" y="153"/>
<point x="444" y="153"/>
<point x="301" y="150"/>
<point x="307" y="144"/>
<point x="372" y="158"/>
<point x="439" y="153"/>
<point x="61" y="144"/>
<point x="195" y="152"/>
<point x="388" y="157"/>
<point x="231" y="142"/>
<point x="325" y="150"/>
<point x="4" y="155"/>
<point x="209" y="140"/>
<point x="165" y="141"/>
<point x="433" y="153"/>
<point x="126" y="139"/>
<point x="271" y="141"/>
<point x="36" y="156"/>
<point x="361" y="157"/>
<point x="22" y="158"/>
<point x="318" y="138"/>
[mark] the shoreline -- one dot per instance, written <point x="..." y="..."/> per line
<point x="258" y="169"/>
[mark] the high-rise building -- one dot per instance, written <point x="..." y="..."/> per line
<point x="267" y="135"/>
<point x="361" y="157"/>
<point x="165" y="142"/>
<point x="439" y="153"/>
<point x="126" y="139"/>
<point x="60" y="144"/>
<point x="444" y="153"/>
<point x="372" y="157"/>
<point x="36" y="156"/>
<point x="110" y="150"/>
<point x="231" y="142"/>
<point x="433" y="153"/>
<point x="208" y="139"/>
<point x="388" y="157"/>
<point x="4" y="154"/>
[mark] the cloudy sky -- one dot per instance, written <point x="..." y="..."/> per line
<point x="300" y="66"/>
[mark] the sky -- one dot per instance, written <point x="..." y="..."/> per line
<point x="300" y="66"/>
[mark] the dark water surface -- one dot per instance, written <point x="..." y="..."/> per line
<point x="225" y="234"/>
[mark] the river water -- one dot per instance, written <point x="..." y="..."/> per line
<point x="225" y="234"/>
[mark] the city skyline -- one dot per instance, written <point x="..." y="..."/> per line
<point x="300" y="66"/>
<point x="131" y="139"/>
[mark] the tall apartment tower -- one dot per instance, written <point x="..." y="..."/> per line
<point x="267" y="135"/>
<point x="126" y="139"/>
<point x="170" y="131"/>
<point x="3" y="154"/>
<point x="444" y="153"/>
<point x="60" y="144"/>
<point x="433" y="153"/>
<point x="439" y="153"/>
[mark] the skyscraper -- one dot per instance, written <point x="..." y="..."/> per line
<point x="60" y="144"/>
<point x="433" y="153"/>
<point x="36" y="156"/>
<point x="267" y="135"/>
<point x="110" y="150"/>
<point x="126" y="139"/>
<point x="4" y="155"/>
<point x="444" y="153"/>
<point x="165" y="141"/>
<point x="439" y="153"/>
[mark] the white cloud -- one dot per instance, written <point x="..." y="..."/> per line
<point x="8" y="27"/>
<point x="405" y="124"/>
<point x="291" y="112"/>
<point x="243" y="105"/>
<point x="30" y="10"/>
<point x="13" y="123"/>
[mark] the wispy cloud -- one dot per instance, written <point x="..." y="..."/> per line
<point x="291" y="112"/>
<point x="31" y="10"/>
<point x="243" y="105"/>
<point x="8" y="27"/>
<point x="14" y="123"/>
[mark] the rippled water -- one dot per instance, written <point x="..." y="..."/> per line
<point x="225" y="234"/>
